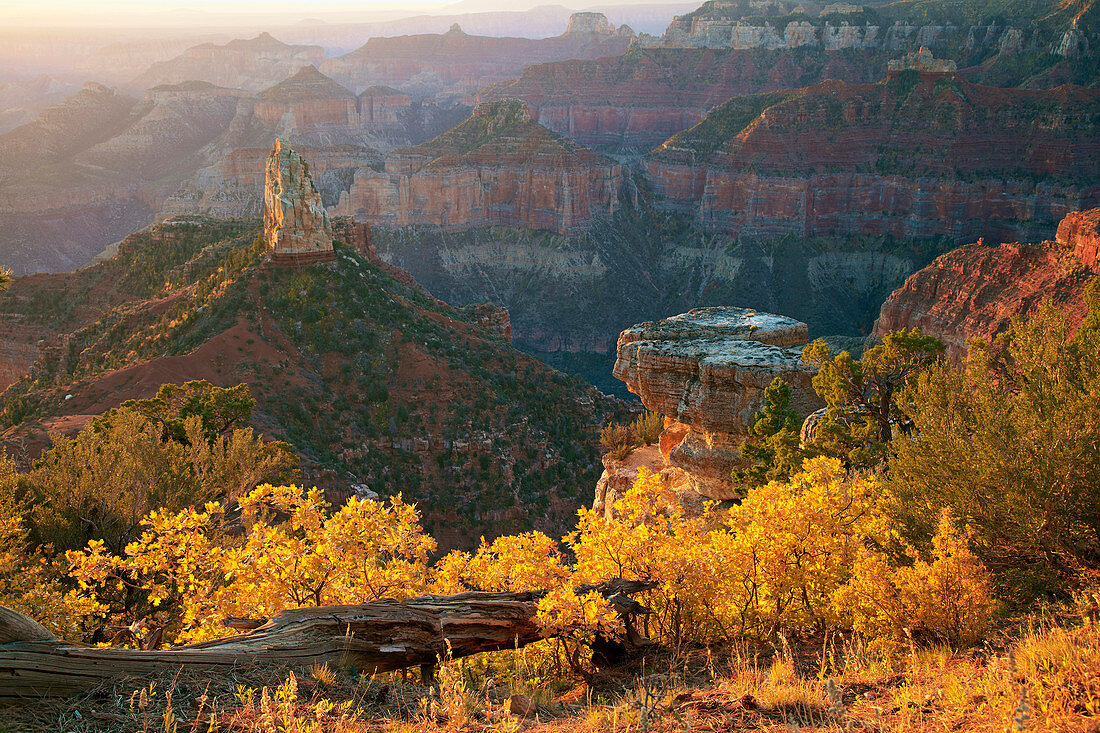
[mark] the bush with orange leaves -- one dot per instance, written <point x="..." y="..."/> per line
<point x="796" y="557"/>
<point x="184" y="573"/>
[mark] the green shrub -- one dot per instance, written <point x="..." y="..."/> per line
<point x="647" y="428"/>
<point x="619" y="440"/>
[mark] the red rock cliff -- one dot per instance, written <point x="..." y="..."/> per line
<point x="975" y="291"/>
<point x="646" y="95"/>
<point x="915" y="156"/>
<point x="498" y="167"/>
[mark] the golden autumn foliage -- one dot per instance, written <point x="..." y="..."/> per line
<point x="192" y="576"/>
<point x="795" y="558"/>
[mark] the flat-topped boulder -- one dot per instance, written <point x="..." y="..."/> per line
<point x="707" y="370"/>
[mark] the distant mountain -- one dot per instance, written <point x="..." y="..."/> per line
<point x="100" y="164"/>
<point x="497" y="167"/>
<point x="459" y="63"/>
<point x="251" y="64"/>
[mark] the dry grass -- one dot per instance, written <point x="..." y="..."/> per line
<point x="1042" y="674"/>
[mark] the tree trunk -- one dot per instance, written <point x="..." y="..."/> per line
<point x="380" y="636"/>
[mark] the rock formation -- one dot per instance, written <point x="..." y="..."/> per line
<point x="922" y="62"/>
<point x="498" y="167"/>
<point x="721" y="24"/>
<point x="974" y="291"/>
<point x="595" y="24"/>
<point x="306" y="101"/>
<point x="457" y="63"/>
<point x="252" y="64"/>
<point x="640" y="98"/>
<point x="1080" y="231"/>
<point x="706" y="371"/>
<point x="918" y="155"/>
<point x="296" y="227"/>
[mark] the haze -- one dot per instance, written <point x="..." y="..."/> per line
<point x="213" y="13"/>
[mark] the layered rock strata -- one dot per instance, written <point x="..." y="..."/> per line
<point x="251" y="64"/>
<point x="640" y="98"/>
<point x="919" y="155"/>
<point x="296" y="227"/>
<point x="458" y="63"/>
<point x="975" y="291"/>
<point x="498" y="167"/>
<point x="706" y="371"/>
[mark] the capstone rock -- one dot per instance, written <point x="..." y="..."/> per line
<point x="706" y="371"/>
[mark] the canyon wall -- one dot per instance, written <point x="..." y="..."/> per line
<point x="974" y="291"/>
<point x="251" y="64"/>
<point x="919" y="155"/>
<point x="498" y="167"/>
<point x="640" y="98"/>
<point x="456" y="63"/>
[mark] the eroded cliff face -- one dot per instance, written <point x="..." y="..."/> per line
<point x="706" y="371"/>
<point x="93" y="168"/>
<point x="457" y="63"/>
<point x="918" y="155"/>
<point x="296" y="227"/>
<point x="637" y="100"/>
<point x="975" y="291"/>
<point x="498" y="167"/>
<point x="252" y="64"/>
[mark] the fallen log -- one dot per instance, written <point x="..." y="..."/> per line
<point x="381" y="636"/>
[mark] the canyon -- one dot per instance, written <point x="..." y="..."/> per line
<point x="100" y="164"/>
<point x="633" y="102"/>
<point x="973" y="292"/>
<point x="250" y="64"/>
<point x="917" y="155"/>
<point x="455" y="63"/>
<point x="497" y="167"/>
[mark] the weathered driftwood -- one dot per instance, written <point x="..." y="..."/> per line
<point x="380" y="636"/>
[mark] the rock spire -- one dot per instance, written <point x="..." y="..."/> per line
<point x="296" y="227"/>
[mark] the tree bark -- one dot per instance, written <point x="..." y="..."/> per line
<point x="380" y="636"/>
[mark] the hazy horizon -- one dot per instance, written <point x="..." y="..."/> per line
<point x="218" y="13"/>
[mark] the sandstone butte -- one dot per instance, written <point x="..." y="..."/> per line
<point x="251" y="64"/>
<point x="456" y="62"/>
<point x="296" y="227"/>
<point x="497" y="167"/>
<point x="706" y="371"/>
<point x="974" y="291"/>
<point x="918" y="155"/>
<point x="640" y="98"/>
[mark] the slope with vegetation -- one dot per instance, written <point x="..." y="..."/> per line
<point x="372" y="381"/>
<point x="953" y="588"/>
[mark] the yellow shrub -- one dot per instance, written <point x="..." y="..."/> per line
<point x="949" y="599"/>
<point x="529" y="561"/>
<point x="365" y="551"/>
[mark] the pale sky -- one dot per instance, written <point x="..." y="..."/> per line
<point x="142" y="13"/>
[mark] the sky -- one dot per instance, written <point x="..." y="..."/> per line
<point x="142" y="13"/>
